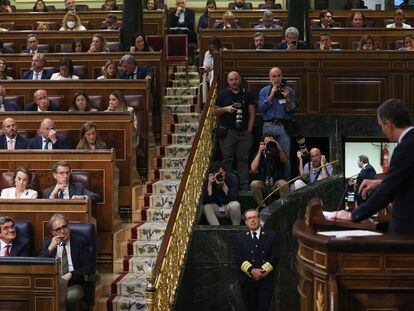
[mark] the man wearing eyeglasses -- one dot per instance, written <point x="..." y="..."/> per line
<point x="10" y="244"/>
<point x="74" y="254"/>
<point x="257" y="254"/>
<point x="64" y="188"/>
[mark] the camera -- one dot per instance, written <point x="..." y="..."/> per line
<point x="219" y="177"/>
<point x="300" y="139"/>
<point x="239" y="114"/>
<point x="271" y="149"/>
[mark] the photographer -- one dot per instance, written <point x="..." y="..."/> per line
<point x="277" y="103"/>
<point x="312" y="168"/>
<point x="220" y="196"/>
<point x="269" y="161"/>
<point x="235" y="111"/>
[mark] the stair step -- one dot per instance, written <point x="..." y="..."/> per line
<point x="170" y="173"/>
<point x="185" y="128"/>
<point x="182" y="138"/>
<point x="121" y="303"/>
<point x="187" y="117"/>
<point x="151" y="231"/>
<point x="177" y="108"/>
<point x="191" y="75"/>
<point x="177" y="150"/>
<point x="161" y="200"/>
<point x="139" y="264"/>
<point x="158" y="215"/>
<point x="184" y="83"/>
<point x="180" y="100"/>
<point x="173" y="162"/>
<point x="146" y="248"/>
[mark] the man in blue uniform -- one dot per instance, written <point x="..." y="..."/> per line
<point x="257" y="254"/>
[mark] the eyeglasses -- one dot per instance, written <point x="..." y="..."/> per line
<point x="9" y="228"/>
<point x="60" y="229"/>
<point x="64" y="173"/>
<point x="252" y="217"/>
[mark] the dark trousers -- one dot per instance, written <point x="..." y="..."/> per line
<point x="237" y="145"/>
<point x="256" y="297"/>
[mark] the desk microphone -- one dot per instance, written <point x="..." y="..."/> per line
<point x="341" y="199"/>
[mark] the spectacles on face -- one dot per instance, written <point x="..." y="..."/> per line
<point x="252" y="218"/>
<point x="64" y="173"/>
<point x="9" y="228"/>
<point x="60" y="229"/>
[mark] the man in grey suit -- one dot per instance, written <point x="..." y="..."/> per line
<point x="64" y="188"/>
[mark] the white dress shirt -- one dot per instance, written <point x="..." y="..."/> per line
<point x="3" y="248"/>
<point x="59" y="254"/>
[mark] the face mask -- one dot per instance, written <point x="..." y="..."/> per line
<point x="70" y="24"/>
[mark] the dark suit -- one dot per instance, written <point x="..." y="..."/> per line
<point x="140" y="73"/>
<point x="221" y="26"/>
<point x="189" y="20"/>
<point x="20" y="247"/>
<point x="37" y="143"/>
<point x="27" y="51"/>
<point x="246" y="6"/>
<point x="75" y="189"/>
<point x="46" y="74"/>
<point x="397" y="187"/>
<point x="367" y="172"/>
<point x="256" y="254"/>
<point x="80" y="254"/>
<point x="33" y="107"/>
<point x="11" y="106"/>
<point x="21" y="142"/>
<point x="283" y="45"/>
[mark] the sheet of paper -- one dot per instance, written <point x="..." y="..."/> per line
<point x="349" y="233"/>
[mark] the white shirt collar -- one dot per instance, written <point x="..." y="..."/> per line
<point x="3" y="247"/>
<point x="404" y="133"/>
<point x="257" y="233"/>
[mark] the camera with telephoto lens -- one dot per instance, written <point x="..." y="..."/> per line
<point x="219" y="177"/>
<point x="300" y="139"/>
<point x="239" y="114"/>
<point x="271" y="149"/>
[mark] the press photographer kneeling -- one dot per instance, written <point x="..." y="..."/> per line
<point x="220" y="196"/>
<point x="270" y="161"/>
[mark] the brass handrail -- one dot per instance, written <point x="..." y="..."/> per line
<point x="163" y="280"/>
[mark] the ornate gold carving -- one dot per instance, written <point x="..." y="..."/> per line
<point x="320" y="299"/>
<point x="167" y="280"/>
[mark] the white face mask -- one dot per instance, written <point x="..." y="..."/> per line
<point x="70" y="24"/>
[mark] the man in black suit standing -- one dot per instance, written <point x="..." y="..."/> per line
<point x="183" y="20"/>
<point x="41" y="103"/>
<point x="47" y="138"/>
<point x="257" y="254"/>
<point x="10" y="140"/>
<point x="75" y="255"/>
<point x="10" y="243"/>
<point x="64" y="188"/>
<point x="367" y="172"/>
<point x="6" y="105"/>
<point x="37" y="72"/>
<point x="398" y="183"/>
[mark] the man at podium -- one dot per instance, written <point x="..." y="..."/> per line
<point x="398" y="184"/>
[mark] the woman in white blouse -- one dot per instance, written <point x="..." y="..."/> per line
<point x="22" y="179"/>
<point x="65" y="71"/>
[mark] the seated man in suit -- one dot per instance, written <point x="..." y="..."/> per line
<point x="325" y="20"/>
<point x="32" y="43"/>
<point x="75" y="254"/>
<point x="110" y="22"/>
<point x="6" y="105"/>
<point x="228" y="22"/>
<point x="132" y="70"/>
<point x="240" y="5"/>
<point x="10" y="139"/>
<point x="183" y="18"/>
<point x="37" y="72"/>
<point x="291" y="41"/>
<point x="259" y="41"/>
<point x="41" y="103"/>
<point x="4" y="49"/>
<point x="267" y="21"/>
<point x="10" y="243"/>
<point x="47" y="138"/>
<point x="64" y="188"/>
<point x="70" y="6"/>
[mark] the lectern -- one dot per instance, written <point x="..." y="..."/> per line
<point x="352" y="273"/>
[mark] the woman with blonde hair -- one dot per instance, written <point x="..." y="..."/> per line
<point x="89" y="138"/>
<point x="72" y="22"/>
<point x="98" y="44"/>
<point x="118" y="103"/>
<point x="110" y="71"/>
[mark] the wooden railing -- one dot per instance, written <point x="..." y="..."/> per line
<point x="163" y="280"/>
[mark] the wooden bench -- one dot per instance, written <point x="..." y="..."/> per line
<point x="104" y="180"/>
<point x="237" y="38"/>
<point x="327" y="82"/>
<point x="32" y="285"/>
<point x="39" y="211"/>
<point x="154" y="21"/>
<point x="385" y="38"/>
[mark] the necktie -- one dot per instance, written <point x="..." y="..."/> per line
<point x="46" y="145"/>
<point x="255" y="236"/>
<point x="65" y="264"/>
<point x="10" y="144"/>
<point x="37" y="76"/>
<point x="60" y="194"/>
<point x="131" y="76"/>
<point x="7" y="251"/>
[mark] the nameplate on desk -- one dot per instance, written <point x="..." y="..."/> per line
<point x="349" y="233"/>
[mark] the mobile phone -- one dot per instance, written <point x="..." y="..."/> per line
<point x="294" y="43"/>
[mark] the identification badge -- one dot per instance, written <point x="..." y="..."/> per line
<point x="282" y="101"/>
